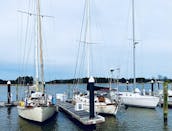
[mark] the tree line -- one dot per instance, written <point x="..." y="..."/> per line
<point x="25" y="80"/>
<point x="28" y="80"/>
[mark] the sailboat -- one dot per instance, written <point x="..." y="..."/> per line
<point x="37" y="106"/>
<point x="103" y="104"/>
<point x="135" y="98"/>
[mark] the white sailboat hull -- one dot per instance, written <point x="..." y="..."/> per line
<point x="103" y="108"/>
<point x="106" y="107"/>
<point x="39" y="114"/>
<point x="137" y="100"/>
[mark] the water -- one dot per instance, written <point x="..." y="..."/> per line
<point x="131" y="119"/>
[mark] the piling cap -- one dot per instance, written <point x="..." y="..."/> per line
<point x="9" y="83"/>
<point x="152" y="81"/>
<point x="91" y="80"/>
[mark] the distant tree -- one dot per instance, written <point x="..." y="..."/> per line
<point x="122" y="80"/>
<point x="24" y="80"/>
<point x="160" y="77"/>
<point x="140" y="80"/>
<point x="3" y="82"/>
<point x="165" y="78"/>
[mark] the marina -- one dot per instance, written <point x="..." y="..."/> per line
<point x="130" y="119"/>
<point x="85" y="65"/>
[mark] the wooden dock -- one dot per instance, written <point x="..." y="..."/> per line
<point x="82" y="116"/>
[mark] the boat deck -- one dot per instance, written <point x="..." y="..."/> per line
<point x="82" y="116"/>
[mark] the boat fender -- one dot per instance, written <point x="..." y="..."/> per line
<point x="53" y="100"/>
<point x="21" y="103"/>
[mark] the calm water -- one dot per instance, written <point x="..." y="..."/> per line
<point x="132" y="119"/>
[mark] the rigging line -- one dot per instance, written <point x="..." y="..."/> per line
<point x="24" y="47"/>
<point x="83" y="58"/>
<point x="87" y="38"/>
<point x="25" y="58"/>
<point x="30" y="44"/>
<point x="92" y="59"/>
<point x="81" y="64"/>
<point x="80" y="40"/>
<point x="20" y="42"/>
<point x="25" y="41"/>
<point x="128" y="37"/>
<point x="82" y="25"/>
<point x="46" y="49"/>
<point x="44" y="30"/>
<point x="98" y="26"/>
<point x="28" y="41"/>
<point x="45" y="54"/>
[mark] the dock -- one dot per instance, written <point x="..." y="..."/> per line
<point x="82" y="116"/>
<point x="9" y="102"/>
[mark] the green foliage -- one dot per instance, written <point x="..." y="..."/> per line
<point x="24" y="80"/>
<point x="29" y="80"/>
<point x="20" y="80"/>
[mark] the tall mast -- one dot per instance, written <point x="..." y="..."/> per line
<point x="87" y="36"/>
<point x="36" y="65"/>
<point x="36" y="53"/>
<point x="134" y="44"/>
<point x="39" y="43"/>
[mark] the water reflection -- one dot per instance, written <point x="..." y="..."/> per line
<point x="9" y="110"/>
<point x="25" y="125"/>
<point x="140" y="118"/>
<point x="73" y="124"/>
<point x="110" y="124"/>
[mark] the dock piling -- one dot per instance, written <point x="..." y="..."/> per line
<point x="165" y="105"/>
<point x="127" y="85"/>
<point x="91" y="96"/>
<point x="152" y="90"/>
<point x="9" y="92"/>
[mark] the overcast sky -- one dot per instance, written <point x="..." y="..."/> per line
<point x="111" y="30"/>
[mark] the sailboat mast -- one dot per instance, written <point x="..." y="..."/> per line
<point x="39" y="39"/>
<point x="134" y="44"/>
<point x="87" y="36"/>
<point x="36" y="54"/>
<point x="36" y="65"/>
